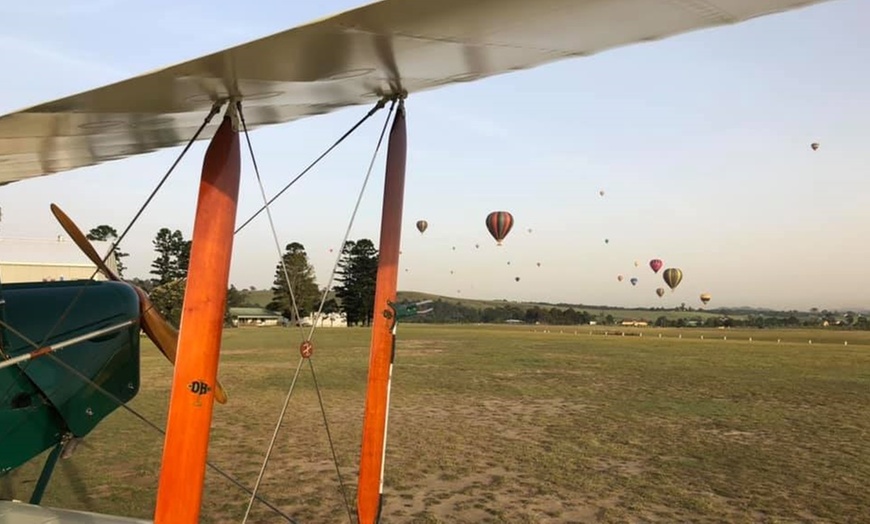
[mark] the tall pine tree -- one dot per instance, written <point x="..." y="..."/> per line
<point x="173" y="256"/>
<point x="357" y="272"/>
<point x="106" y="233"/>
<point x="301" y="275"/>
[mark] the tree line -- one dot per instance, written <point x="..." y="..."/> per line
<point x="353" y="296"/>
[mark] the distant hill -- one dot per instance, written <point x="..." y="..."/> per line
<point x="596" y="310"/>
<point x="262" y="297"/>
<point x="259" y="297"/>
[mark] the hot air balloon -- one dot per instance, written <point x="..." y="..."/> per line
<point x="606" y="240"/>
<point x="476" y="246"/>
<point x="636" y="263"/>
<point x="660" y="292"/>
<point x="539" y="264"/>
<point x="499" y="224"/>
<point x="705" y="297"/>
<point x="601" y="193"/>
<point x="509" y="262"/>
<point x="633" y="281"/>
<point x="619" y="277"/>
<point x="530" y="230"/>
<point x="422" y="225"/>
<point x="814" y="145"/>
<point x="517" y="279"/>
<point x="656" y="264"/>
<point x="672" y="277"/>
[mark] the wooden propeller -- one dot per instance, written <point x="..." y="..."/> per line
<point x="158" y="329"/>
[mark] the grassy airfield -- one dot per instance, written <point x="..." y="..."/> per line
<point x="515" y="424"/>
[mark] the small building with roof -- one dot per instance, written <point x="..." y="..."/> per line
<point x="255" y="316"/>
<point x="41" y="260"/>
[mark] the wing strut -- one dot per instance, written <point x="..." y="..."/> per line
<point x="185" y="449"/>
<point x="374" y="440"/>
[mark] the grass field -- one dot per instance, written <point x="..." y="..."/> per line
<point x="511" y="424"/>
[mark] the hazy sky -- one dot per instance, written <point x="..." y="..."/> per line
<point x="701" y="142"/>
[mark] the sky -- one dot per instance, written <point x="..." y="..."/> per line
<point x="701" y="143"/>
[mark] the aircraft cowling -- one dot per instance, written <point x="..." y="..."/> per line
<point x="42" y="399"/>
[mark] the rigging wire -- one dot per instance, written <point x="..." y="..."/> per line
<point x="329" y="438"/>
<point x="352" y="217"/>
<point x="138" y="415"/>
<point x="293" y="303"/>
<point x="296" y="310"/>
<point x="379" y="105"/>
<point x="272" y="443"/>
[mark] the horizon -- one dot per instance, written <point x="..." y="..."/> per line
<point x="701" y="143"/>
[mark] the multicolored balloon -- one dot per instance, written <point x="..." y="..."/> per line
<point x="422" y="225"/>
<point x="672" y="277"/>
<point x="656" y="264"/>
<point x="705" y="297"/>
<point x="499" y="224"/>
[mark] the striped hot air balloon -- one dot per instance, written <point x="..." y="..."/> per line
<point x="499" y="224"/>
<point x="705" y="297"/>
<point x="672" y="277"/>
<point x="422" y="225"/>
<point x="660" y="292"/>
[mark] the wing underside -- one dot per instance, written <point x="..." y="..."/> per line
<point x="349" y="59"/>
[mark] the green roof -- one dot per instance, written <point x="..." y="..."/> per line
<point x="252" y="312"/>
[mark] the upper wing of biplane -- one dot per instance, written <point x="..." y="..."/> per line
<point x="351" y="58"/>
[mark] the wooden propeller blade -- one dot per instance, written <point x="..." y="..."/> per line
<point x="165" y="336"/>
<point x="158" y="329"/>
<point x="83" y="243"/>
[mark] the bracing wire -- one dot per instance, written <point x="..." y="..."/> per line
<point x="293" y="303"/>
<point x="331" y="444"/>
<point x="295" y="307"/>
<point x="352" y="219"/>
<point x="272" y="443"/>
<point x="380" y="104"/>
